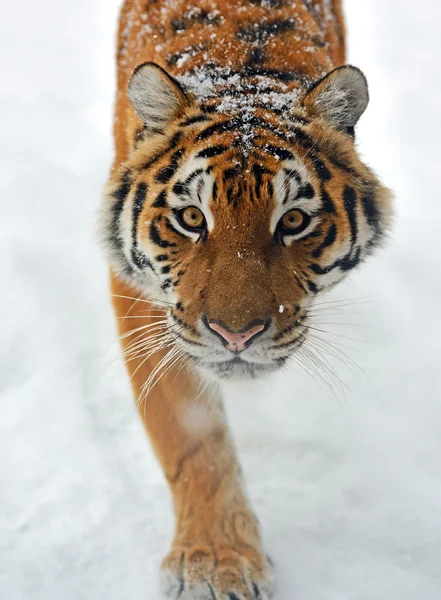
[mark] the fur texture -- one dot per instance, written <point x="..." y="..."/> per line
<point x="242" y="112"/>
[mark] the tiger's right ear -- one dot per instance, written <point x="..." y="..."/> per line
<point x="156" y="96"/>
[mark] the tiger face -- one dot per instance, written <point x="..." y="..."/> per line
<point x="238" y="219"/>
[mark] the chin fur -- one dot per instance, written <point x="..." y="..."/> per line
<point x="236" y="371"/>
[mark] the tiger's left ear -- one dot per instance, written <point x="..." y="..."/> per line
<point x="341" y="97"/>
<point x="156" y="96"/>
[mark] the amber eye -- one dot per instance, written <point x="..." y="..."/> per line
<point x="293" y="222"/>
<point x="191" y="218"/>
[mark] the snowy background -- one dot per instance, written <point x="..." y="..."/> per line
<point x="348" y="486"/>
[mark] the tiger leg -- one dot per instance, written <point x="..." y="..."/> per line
<point x="216" y="551"/>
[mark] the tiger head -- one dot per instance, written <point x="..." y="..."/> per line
<point x="238" y="219"/>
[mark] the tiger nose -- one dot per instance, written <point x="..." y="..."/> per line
<point x="237" y="341"/>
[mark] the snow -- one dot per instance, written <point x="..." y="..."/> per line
<point x="347" y="487"/>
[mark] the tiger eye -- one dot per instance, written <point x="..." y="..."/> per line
<point x="192" y="217"/>
<point x="293" y="219"/>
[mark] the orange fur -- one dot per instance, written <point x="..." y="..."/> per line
<point x="217" y="547"/>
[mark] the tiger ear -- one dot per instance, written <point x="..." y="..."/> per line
<point x="341" y="97"/>
<point x="156" y="96"/>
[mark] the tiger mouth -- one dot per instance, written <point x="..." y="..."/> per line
<point x="237" y="369"/>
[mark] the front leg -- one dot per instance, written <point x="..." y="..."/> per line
<point x="216" y="553"/>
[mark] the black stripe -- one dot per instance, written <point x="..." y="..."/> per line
<point x="120" y="196"/>
<point x="212" y="151"/>
<point x="350" y="204"/>
<point x="371" y="212"/>
<point x="166" y="284"/>
<point x="257" y="122"/>
<point x="181" y="188"/>
<point x="191" y="51"/>
<point x="138" y="204"/>
<point x="260" y="31"/>
<point x="344" y="166"/>
<point x="166" y="173"/>
<point x="173" y="229"/>
<point x="349" y="262"/>
<point x="293" y="174"/>
<point x="280" y="153"/>
<point x="276" y="73"/>
<point x="161" y="257"/>
<point x="322" y="171"/>
<point x="138" y="257"/>
<point x="193" y="176"/>
<point x="305" y="140"/>
<point x="318" y="270"/>
<point x="271" y="3"/>
<point x="156" y="237"/>
<point x="230" y="173"/>
<point x="346" y="263"/>
<point x="173" y="142"/>
<point x="327" y="203"/>
<point x="230" y="125"/>
<point x="193" y="120"/>
<point x="259" y="171"/>
<point x="312" y="287"/>
<point x="330" y="238"/>
<point x="214" y="191"/>
<point x="161" y="200"/>
<point x="257" y="56"/>
<point x="300" y="283"/>
<point x="306" y="191"/>
<point x="193" y="17"/>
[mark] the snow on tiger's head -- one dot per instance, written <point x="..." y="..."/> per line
<point x="237" y="214"/>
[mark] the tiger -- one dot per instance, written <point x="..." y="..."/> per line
<point x="236" y="198"/>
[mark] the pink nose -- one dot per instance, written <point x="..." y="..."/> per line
<point x="236" y="341"/>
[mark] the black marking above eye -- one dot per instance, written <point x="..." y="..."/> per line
<point x="161" y="200"/>
<point x="166" y="173"/>
<point x="180" y="189"/>
<point x="293" y="174"/>
<point x="306" y="191"/>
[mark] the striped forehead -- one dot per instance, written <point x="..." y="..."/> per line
<point x="288" y="181"/>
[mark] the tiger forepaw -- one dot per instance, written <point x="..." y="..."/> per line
<point x="206" y="572"/>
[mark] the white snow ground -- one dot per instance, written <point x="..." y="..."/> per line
<point x="348" y="489"/>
